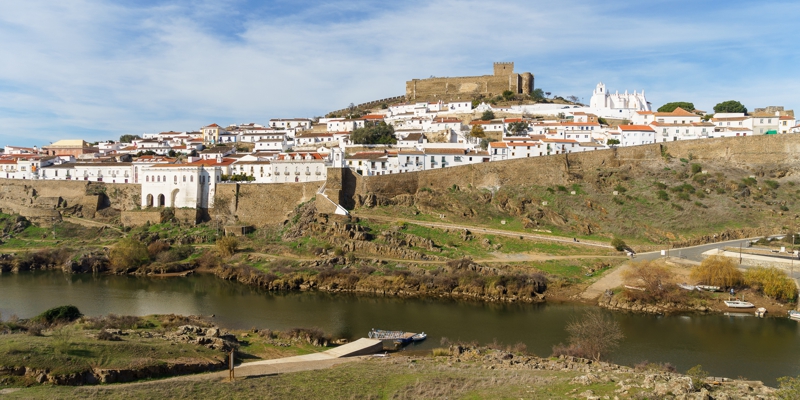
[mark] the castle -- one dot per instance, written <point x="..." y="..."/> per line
<point x="470" y="87"/>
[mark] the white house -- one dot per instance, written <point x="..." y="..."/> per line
<point x="299" y="167"/>
<point x="179" y="185"/>
<point x="634" y="135"/>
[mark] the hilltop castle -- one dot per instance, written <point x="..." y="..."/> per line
<point x="466" y="88"/>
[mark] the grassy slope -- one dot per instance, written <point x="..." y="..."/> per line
<point x="372" y="379"/>
<point x="696" y="204"/>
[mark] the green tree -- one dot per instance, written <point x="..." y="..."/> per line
<point x="518" y="128"/>
<point x="619" y="244"/>
<point x="477" y="132"/>
<point x="612" y="142"/>
<point x="508" y="95"/>
<point x="730" y="106"/>
<point x="537" y="94"/>
<point x="128" y="138"/>
<point x="227" y="245"/>
<point x="374" y="133"/>
<point x="670" y="107"/>
<point x="129" y="253"/>
<point x="487" y="115"/>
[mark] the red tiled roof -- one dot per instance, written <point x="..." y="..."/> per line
<point x="635" y="128"/>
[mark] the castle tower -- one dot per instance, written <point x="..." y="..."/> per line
<point x="527" y="83"/>
<point x="503" y="68"/>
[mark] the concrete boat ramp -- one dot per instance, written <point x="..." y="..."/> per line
<point x="360" y="347"/>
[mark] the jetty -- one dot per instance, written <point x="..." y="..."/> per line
<point x="397" y="336"/>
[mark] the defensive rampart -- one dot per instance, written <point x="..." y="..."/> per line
<point x="749" y="152"/>
<point x="260" y="204"/>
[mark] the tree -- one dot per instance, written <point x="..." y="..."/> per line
<point x="518" y="128"/>
<point x="574" y="99"/>
<point x="128" y="138"/>
<point x="508" y="95"/>
<point x="374" y="133"/>
<point x="537" y="94"/>
<point x="772" y="282"/>
<point x="612" y="142"/>
<point x="653" y="276"/>
<point x="227" y="245"/>
<point x="128" y="253"/>
<point x="717" y="271"/>
<point x="619" y="244"/>
<point x="670" y="107"/>
<point x="477" y="132"/>
<point x="594" y="335"/>
<point x="487" y="115"/>
<point x="730" y="106"/>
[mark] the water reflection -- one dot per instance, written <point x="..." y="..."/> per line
<point x="725" y="346"/>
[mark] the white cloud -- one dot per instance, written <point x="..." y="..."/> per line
<point x="97" y="70"/>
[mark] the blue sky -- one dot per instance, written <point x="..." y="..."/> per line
<point x="96" y="69"/>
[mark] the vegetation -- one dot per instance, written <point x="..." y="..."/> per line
<point x="226" y="246"/>
<point x="670" y="107"/>
<point x="612" y="142"/>
<point x="772" y="282"/>
<point x="128" y="138"/>
<point x="717" y="271"/>
<point x="592" y="336"/>
<point x="59" y="314"/>
<point x="128" y="253"/>
<point x="487" y="115"/>
<point x="477" y="131"/>
<point x="653" y="276"/>
<point x="537" y="94"/>
<point x="789" y="388"/>
<point x="619" y="244"/>
<point x="730" y="106"/>
<point x="374" y="133"/>
<point x="518" y="128"/>
<point x="698" y="376"/>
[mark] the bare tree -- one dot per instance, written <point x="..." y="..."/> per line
<point x="594" y="335"/>
<point x="652" y="275"/>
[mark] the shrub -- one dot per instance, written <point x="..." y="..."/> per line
<point x="750" y="181"/>
<point x="789" y="388"/>
<point x="696" y="168"/>
<point x="677" y="207"/>
<point x="618" y="201"/>
<point x="662" y="195"/>
<point x="440" y="352"/>
<point x="620" y="188"/>
<point x="698" y="376"/>
<point x="128" y="253"/>
<point x="717" y="271"/>
<point x="226" y="246"/>
<point x="683" y="160"/>
<point x="720" y="190"/>
<point x="156" y="248"/>
<point x="771" y="184"/>
<point x="561" y="188"/>
<point x="772" y="282"/>
<point x="653" y="276"/>
<point x="683" y="196"/>
<point x="619" y="244"/>
<point x="592" y="336"/>
<point x="59" y="314"/>
<point x="660" y="185"/>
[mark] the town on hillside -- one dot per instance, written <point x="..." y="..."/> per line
<point x="181" y="169"/>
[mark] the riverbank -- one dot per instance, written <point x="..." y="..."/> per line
<point x="457" y="372"/>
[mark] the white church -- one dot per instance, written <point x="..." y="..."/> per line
<point x="617" y="105"/>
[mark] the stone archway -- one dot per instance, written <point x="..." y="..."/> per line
<point x="149" y="202"/>
<point x="161" y="200"/>
<point x="173" y="197"/>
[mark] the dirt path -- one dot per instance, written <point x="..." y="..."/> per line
<point x="491" y="231"/>
<point x="89" y="223"/>
<point x="612" y="279"/>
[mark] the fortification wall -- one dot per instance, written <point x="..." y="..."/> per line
<point x="260" y="204"/>
<point x="139" y="218"/>
<point x="459" y="88"/>
<point x="749" y="152"/>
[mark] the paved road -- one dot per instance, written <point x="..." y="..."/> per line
<point x="694" y="253"/>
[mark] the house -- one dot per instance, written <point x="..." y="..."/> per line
<point x="211" y="134"/>
<point x="634" y="135"/>
<point x="299" y="167"/>
<point x="216" y="152"/>
<point x="498" y="151"/>
<point x="259" y="170"/>
<point x="179" y="185"/>
<point x="298" y="124"/>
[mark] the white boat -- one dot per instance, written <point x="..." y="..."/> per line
<point x="795" y="315"/>
<point x="738" y="304"/>
<point x="761" y="312"/>
<point x="686" y="286"/>
<point x="709" y="288"/>
<point x="419" y="337"/>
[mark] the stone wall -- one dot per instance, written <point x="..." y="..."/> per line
<point x="260" y="204"/>
<point x="746" y="152"/>
<point x="460" y="88"/>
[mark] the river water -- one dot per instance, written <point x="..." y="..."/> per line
<point x="762" y="349"/>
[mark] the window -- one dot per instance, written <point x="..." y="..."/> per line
<point x="184" y="178"/>
<point x="176" y="178"/>
<point x="147" y="179"/>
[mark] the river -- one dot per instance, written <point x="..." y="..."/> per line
<point x="761" y="349"/>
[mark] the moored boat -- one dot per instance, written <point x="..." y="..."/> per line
<point x="760" y="312"/>
<point x="738" y="304"/>
<point x="795" y="315"/>
<point x="419" y="337"/>
<point x="686" y="286"/>
<point x="709" y="288"/>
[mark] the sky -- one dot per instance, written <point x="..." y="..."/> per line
<point x="95" y="70"/>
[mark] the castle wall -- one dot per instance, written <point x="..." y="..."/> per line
<point x="260" y="204"/>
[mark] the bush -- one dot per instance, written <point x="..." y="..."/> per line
<point x="772" y="184"/>
<point x="696" y="168"/>
<point x="592" y="336"/>
<point x="698" y="376"/>
<point x="59" y="314"/>
<point x="227" y="245"/>
<point x="620" y="188"/>
<point x="772" y="282"/>
<point x="717" y="271"/>
<point x="619" y="244"/>
<point x="128" y="253"/>
<point x="749" y="181"/>
<point x="789" y="388"/>
<point x="660" y="185"/>
<point x="487" y="115"/>
<point x="440" y="352"/>
<point x="677" y="207"/>
<point x="662" y="195"/>
<point x="156" y="248"/>
<point x="653" y="276"/>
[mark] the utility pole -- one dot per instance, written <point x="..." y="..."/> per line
<point x="740" y="254"/>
